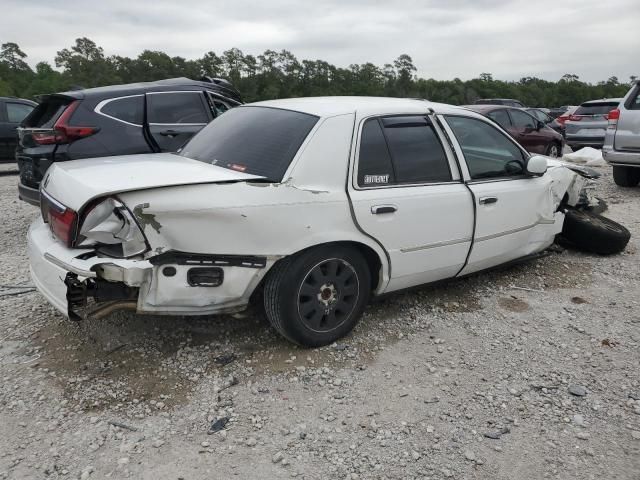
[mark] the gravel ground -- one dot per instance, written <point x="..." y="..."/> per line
<point x="526" y="372"/>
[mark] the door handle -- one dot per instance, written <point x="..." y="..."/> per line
<point x="487" y="200"/>
<point x="378" y="209"/>
<point x="169" y="133"/>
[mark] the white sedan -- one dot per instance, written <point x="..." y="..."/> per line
<point x="317" y="203"/>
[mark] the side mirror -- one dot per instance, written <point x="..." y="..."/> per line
<point x="540" y="125"/>
<point x="536" y="165"/>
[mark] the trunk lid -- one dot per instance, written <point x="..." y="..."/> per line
<point x="76" y="182"/>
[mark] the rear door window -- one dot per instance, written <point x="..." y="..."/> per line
<point x="416" y="151"/>
<point x="257" y="140"/>
<point x="126" y="109"/>
<point x="522" y="120"/>
<point x="16" y="112"/>
<point x="501" y="117"/>
<point x="374" y="161"/>
<point x="174" y="108"/>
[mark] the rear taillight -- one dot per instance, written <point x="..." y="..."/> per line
<point x="613" y="117"/>
<point x="62" y="132"/>
<point x="62" y="220"/>
<point x="575" y="118"/>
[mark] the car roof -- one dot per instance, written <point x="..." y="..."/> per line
<point x="483" y="108"/>
<point x="500" y="99"/>
<point x="332" y="106"/>
<point x="159" y="85"/>
<point x="16" y="99"/>
<point x="602" y="100"/>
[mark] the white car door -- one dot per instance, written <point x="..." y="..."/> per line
<point x="407" y="193"/>
<point x="514" y="211"/>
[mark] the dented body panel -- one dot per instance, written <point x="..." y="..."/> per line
<point x="195" y="215"/>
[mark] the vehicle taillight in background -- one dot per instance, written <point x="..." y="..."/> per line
<point x="62" y="132"/>
<point x="61" y="219"/>
<point x="575" y="118"/>
<point x="613" y="117"/>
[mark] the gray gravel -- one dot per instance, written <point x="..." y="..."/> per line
<point x="528" y="372"/>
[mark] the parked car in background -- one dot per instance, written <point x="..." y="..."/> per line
<point x="509" y="102"/>
<point x="562" y="118"/>
<point x="587" y="125"/>
<point x="622" y="139"/>
<point x="557" y="111"/>
<point x="116" y="120"/>
<point x="544" y="117"/>
<point x="12" y="112"/>
<point x="356" y="196"/>
<point x="528" y="131"/>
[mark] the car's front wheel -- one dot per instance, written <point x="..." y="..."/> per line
<point x="553" y="150"/>
<point x="626" y="176"/>
<point x="316" y="297"/>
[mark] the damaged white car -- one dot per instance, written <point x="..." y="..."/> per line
<point x="316" y="203"/>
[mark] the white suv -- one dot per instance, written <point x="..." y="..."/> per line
<point x="316" y="202"/>
<point x="622" y="140"/>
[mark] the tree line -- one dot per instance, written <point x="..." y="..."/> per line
<point x="280" y="75"/>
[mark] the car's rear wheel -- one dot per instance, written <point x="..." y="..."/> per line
<point x="317" y="296"/>
<point x="553" y="150"/>
<point x="626" y="176"/>
<point x="594" y="233"/>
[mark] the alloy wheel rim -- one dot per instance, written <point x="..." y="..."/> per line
<point x="328" y="295"/>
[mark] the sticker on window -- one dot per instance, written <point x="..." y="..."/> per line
<point x="376" y="179"/>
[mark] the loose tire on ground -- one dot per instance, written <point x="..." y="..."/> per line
<point x="626" y="176"/>
<point x="594" y="233"/>
<point x="316" y="297"/>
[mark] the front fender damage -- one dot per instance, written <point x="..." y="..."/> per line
<point x="572" y="185"/>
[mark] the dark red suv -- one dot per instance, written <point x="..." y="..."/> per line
<point x="528" y="131"/>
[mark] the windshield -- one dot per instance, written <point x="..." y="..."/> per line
<point x="256" y="140"/>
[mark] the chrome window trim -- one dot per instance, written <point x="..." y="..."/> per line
<point x="100" y="106"/>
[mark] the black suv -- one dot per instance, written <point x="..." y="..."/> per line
<point x="116" y="120"/>
<point x="12" y="112"/>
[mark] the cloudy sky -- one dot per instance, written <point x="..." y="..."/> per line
<point x="446" y="38"/>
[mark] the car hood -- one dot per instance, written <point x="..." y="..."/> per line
<point x="77" y="182"/>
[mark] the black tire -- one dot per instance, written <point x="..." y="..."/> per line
<point x="316" y="297"/>
<point x="554" y="150"/>
<point x="594" y="233"/>
<point x="626" y="176"/>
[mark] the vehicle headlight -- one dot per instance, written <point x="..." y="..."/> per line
<point x="111" y="228"/>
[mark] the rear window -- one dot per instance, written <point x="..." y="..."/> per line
<point x="634" y="100"/>
<point x="127" y="109"/>
<point x="47" y="112"/>
<point x="596" y="108"/>
<point x="256" y="140"/>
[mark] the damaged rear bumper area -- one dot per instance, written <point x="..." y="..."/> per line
<point x="81" y="284"/>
